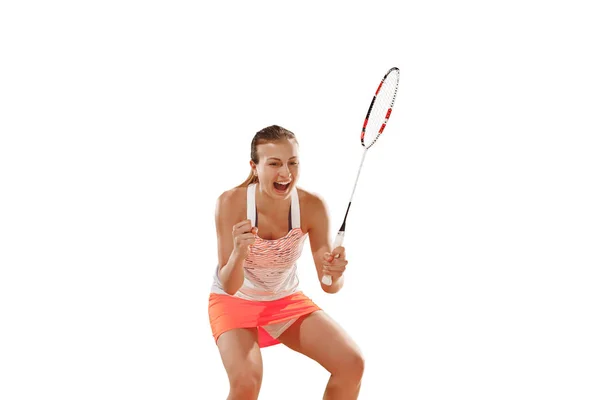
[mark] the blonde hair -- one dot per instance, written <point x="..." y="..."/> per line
<point x="273" y="133"/>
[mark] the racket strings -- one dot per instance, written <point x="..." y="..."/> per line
<point x="379" y="114"/>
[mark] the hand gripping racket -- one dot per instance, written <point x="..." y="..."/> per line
<point x="377" y="117"/>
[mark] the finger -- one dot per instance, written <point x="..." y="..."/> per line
<point x="339" y="261"/>
<point x="241" y="223"/>
<point x="335" y="269"/>
<point x="333" y="274"/>
<point x="337" y="265"/>
<point x="339" y="252"/>
<point x="338" y="268"/>
<point x="247" y="236"/>
<point x="328" y="257"/>
<point x="241" y="242"/>
<point x="242" y="227"/>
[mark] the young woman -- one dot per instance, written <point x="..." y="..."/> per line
<point x="255" y="301"/>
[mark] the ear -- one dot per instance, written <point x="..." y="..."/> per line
<point x="253" y="166"/>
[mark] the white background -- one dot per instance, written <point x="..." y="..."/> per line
<point x="473" y="237"/>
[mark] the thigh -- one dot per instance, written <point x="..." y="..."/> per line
<point x="319" y="337"/>
<point x="240" y="353"/>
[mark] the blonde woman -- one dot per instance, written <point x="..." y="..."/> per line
<point x="255" y="299"/>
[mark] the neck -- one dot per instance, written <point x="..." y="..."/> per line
<point x="270" y="205"/>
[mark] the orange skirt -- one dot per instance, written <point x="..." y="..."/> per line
<point x="229" y="312"/>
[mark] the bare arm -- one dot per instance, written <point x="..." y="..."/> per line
<point x="318" y="233"/>
<point x="233" y="239"/>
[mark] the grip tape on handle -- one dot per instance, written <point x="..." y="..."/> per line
<point x="339" y="239"/>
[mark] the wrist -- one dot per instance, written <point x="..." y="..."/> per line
<point x="238" y="256"/>
<point x="336" y="285"/>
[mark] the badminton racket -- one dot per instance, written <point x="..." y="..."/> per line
<point x="375" y="122"/>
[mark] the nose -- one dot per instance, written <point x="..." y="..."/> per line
<point x="285" y="171"/>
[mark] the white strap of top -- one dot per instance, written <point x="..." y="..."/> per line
<point x="251" y="208"/>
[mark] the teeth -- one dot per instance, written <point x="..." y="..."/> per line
<point x="283" y="183"/>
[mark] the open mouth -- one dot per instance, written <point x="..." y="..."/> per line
<point x="282" y="187"/>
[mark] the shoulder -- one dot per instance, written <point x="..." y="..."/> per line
<point x="232" y="199"/>
<point x="313" y="206"/>
<point x="310" y="200"/>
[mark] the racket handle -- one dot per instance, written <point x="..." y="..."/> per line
<point x="339" y="239"/>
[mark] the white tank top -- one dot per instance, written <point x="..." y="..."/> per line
<point x="270" y="267"/>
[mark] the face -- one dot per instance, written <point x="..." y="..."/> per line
<point x="278" y="167"/>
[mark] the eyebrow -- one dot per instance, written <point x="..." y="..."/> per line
<point x="275" y="158"/>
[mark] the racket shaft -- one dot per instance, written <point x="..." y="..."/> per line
<point x="339" y="239"/>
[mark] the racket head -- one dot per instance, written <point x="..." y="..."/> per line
<point x="380" y="108"/>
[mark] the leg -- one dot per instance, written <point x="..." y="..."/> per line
<point x="243" y="362"/>
<point x="317" y="336"/>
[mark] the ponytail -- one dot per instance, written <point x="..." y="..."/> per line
<point x="249" y="180"/>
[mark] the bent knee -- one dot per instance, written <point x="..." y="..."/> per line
<point x="246" y="384"/>
<point x="357" y="365"/>
<point x="351" y="366"/>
